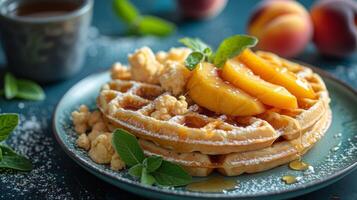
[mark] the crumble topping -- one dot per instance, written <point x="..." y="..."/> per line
<point x="116" y="163"/>
<point x="120" y="71"/>
<point x="83" y="142"/>
<point x="144" y="66"/>
<point x="174" y="77"/>
<point x="101" y="150"/>
<point x="167" y="106"/>
<point x="98" y="141"/>
<point x="80" y="119"/>
<point x="178" y="54"/>
<point x="164" y="68"/>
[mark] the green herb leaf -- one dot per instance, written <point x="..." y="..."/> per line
<point x="126" y="11"/>
<point x="196" y="45"/>
<point x="11" y="160"/>
<point x="10" y="86"/>
<point x="135" y="170"/>
<point x="208" y="52"/>
<point x="152" y="163"/>
<point x="29" y="90"/>
<point x="233" y="46"/>
<point x="151" y="25"/>
<point x="8" y="123"/>
<point x="146" y="178"/>
<point x="193" y="59"/>
<point x="202" y="52"/>
<point x="170" y="174"/>
<point x="127" y="146"/>
<point x="0" y="154"/>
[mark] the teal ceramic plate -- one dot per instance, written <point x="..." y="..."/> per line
<point x="332" y="158"/>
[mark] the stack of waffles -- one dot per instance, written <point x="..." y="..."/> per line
<point x="202" y="141"/>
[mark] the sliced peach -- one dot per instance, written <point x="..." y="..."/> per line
<point x="242" y="77"/>
<point x="299" y="87"/>
<point x="208" y="90"/>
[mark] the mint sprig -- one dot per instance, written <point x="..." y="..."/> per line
<point x="152" y="163"/>
<point x="170" y="174"/>
<point x="8" y="123"/>
<point x="10" y="86"/>
<point x="128" y="148"/>
<point x="229" y="48"/>
<point x="12" y="160"/>
<point x="195" y="44"/>
<point x="126" y="11"/>
<point x="233" y="46"/>
<point x="201" y="52"/>
<point x="22" y="88"/>
<point x="8" y="157"/>
<point x="193" y="59"/>
<point x="150" y="170"/>
<point x="136" y="170"/>
<point x="142" y="24"/>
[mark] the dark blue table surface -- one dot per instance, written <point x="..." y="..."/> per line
<point x="55" y="175"/>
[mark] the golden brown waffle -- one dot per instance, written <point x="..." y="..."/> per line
<point x="202" y="141"/>
<point x="128" y="104"/>
<point x="281" y="152"/>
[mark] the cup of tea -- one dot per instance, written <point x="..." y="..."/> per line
<point x="44" y="40"/>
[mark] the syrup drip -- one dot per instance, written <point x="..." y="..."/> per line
<point x="289" y="179"/>
<point x="298" y="165"/>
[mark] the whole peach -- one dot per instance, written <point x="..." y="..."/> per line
<point x="282" y="26"/>
<point x="335" y="27"/>
<point x="199" y="9"/>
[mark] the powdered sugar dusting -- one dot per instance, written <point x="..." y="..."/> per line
<point x="329" y="164"/>
<point x="31" y="140"/>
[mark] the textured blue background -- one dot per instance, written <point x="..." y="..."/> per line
<point x="63" y="178"/>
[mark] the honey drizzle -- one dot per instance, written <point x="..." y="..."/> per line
<point x="298" y="165"/>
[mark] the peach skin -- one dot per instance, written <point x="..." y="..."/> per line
<point x="200" y="9"/>
<point x="282" y="26"/>
<point x="335" y="27"/>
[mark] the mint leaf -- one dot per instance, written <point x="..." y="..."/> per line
<point x="135" y="170"/>
<point x="29" y="90"/>
<point x="233" y="46"/>
<point x="146" y="178"/>
<point x="125" y="10"/>
<point x="8" y="123"/>
<point x="170" y="174"/>
<point x="10" y="86"/>
<point x="152" y="163"/>
<point x="151" y="25"/>
<point x="193" y="59"/>
<point x="11" y="160"/>
<point x="202" y="52"/>
<point x="196" y="45"/>
<point x="127" y="146"/>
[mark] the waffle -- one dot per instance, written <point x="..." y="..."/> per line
<point x="233" y="164"/>
<point x="202" y="141"/>
<point x="128" y="104"/>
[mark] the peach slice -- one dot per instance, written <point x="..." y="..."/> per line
<point x="208" y="90"/>
<point x="275" y="74"/>
<point x="242" y="77"/>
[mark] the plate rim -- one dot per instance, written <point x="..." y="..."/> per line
<point x="320" y="183"/>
